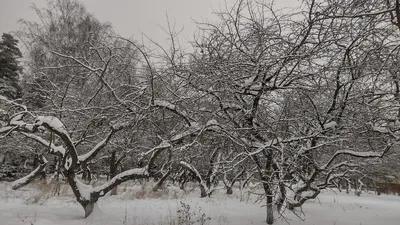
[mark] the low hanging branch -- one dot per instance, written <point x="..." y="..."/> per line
<point x="368" y="154"/>
<point x="92" y="153"/>
<point x="203" y="187"/>
<point x="31" y="176"/>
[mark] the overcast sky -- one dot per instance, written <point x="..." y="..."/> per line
<point x="131" y="18"/>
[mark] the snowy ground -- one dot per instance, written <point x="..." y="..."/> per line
<point x="330" y="209"/>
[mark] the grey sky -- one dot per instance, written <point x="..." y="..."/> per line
<point x="130" y="18"/>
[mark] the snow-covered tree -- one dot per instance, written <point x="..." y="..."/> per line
<point x="295" y="94"/>
<point x="297" y="101"/>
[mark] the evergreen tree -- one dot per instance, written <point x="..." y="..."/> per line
<point x="9" y="68"/>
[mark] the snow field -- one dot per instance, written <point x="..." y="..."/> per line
<point x="137" y="205"/>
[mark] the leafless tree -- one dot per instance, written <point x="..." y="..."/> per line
<point x="298" y="100"/>
<point x="289" y="88"/>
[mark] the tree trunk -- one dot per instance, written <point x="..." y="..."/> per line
<point x="247" y="180"/>
<point x="161" y="181"/>
<point x="270" y="209"/>
<point x="87" y="204"/>
<point x="42" y="175"/>
<point x="86" y="176"/>
<point x="181" y="185"/>
<point x="182" y="181"/>
<point x="282" y="197"/>
<point x="113" y="171"/>
<point x="89" y="208"/>
<point x="203" y="192"/>
<point x="303" y="199"/>
<point x="229" y="190"/>
<point x="355" y="184"/>
<point x="270" y="212"/>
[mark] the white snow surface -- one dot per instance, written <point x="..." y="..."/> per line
<point x="330" y="208"/>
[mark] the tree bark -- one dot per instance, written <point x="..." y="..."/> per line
<point x="182" y="183"/>
<point x="203" y="192"/>
<point x="282" y="196"/>
<point x="113" y="171"/>
<point x="269" y="199"/>
<point x="229" y="190"/>
<point x="270" y="212"/>
<point x="89" y="208"/>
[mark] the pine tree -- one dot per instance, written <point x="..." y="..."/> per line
<point x="9" y="68"/>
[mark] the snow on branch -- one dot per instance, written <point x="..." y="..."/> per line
<point x="56" y="126"/>
<point x="173" y="108"/>
<point x="131" y="174"/>
<point x="164" y="144"/>
<point x="368" y="154"/>
<point x="214" y="166"/>
<point x="93" y="152"/>
<point x="53" y="123"/>
<point x="233" y="180"/>
<point x="333" y="176"/>
<point x="343" y="164"/>
<point x="99" y="72"/>
<point x="17" y="120"/>
<point x="13" y="102"/>
<point x="7" y="130"/>
<point x="191" y="169"/>
<point x="384" y="130"/>
<point x="53" y="148"/>
<point x="87" y="192"/>
<point x="191" y="130"/>
<point x="30" y="177"/>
